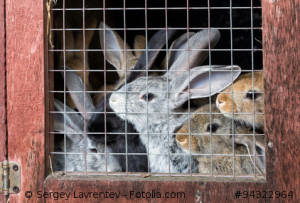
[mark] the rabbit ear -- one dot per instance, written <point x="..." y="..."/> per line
<point x="257" y="148"/>
<point x="139" y="43"/>
<point x="178" y="44"/>
<point x="114" y="53"/>
<point x="202" y="81"/>
<point x="91" y="23"/>
<point x="80" y="98"/>
<point x="204" y="39"/>
<point x="69" y="122"/>
<point x="156" y="43"/>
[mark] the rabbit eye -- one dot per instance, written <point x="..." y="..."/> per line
<point x="148" y="97"/>
<point x="94" y="150"/>
<point x="253" y="94"/>
<point x="213" y="127"/>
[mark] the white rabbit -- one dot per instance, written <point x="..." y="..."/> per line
<point x="153" y="104"/>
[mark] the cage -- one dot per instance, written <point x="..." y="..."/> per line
<point x="167" y="97"/>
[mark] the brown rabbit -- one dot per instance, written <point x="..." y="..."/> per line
<point x="221" y="143"/>
<point x="243" y="98"/>
<point x="75" y="59"/>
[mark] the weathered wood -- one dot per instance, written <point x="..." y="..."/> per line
<point x="25" y="66"/>
<point x="3" y="137"/>
<point x="281" y="36"/>
<point x="194" y="189"/>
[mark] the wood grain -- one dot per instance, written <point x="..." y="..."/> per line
<point x="190" y="189"/>
<point x="3" y="136"/>
<point x="282" y="94"/>
<point x="25" y="66"/>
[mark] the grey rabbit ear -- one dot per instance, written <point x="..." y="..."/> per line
<point x="157" y="42"/>
<point x="202" y="81"/>
<point x="178" y="44"/>
<point x="257" y="148"/>
<point x="69" y="122"/>
<point x="204" y="39"/>
<point x="114" y="46"/>
<point x="79" y="97"/>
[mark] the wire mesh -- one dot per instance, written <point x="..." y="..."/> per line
<point x="97" y="140"/>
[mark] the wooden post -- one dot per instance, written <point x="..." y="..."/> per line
<point x="25" y="70"/>
<point x="281" y="36"/>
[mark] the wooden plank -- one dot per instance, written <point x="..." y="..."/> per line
<point x="3" y="136"/>
<point x="25" y="66"/>
<point x="130" y="188"/>
<point x="282" y="89"/>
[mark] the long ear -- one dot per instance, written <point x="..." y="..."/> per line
<point x="177" y="47"/>
<point x="202" y="81"/>
<point x="139" y="43"/>
<point x="156" y="43"/>
<point x="79" y="97"/>
<point x="69" y="122"/>
<point x="92" y="23"/>
<point x="204" y="39"/>
<point x="113" y="46"/>
<point x="257" y="148"/>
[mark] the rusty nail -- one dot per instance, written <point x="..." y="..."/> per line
<point x="15" y="167"/>
<point x="16" y="189"/>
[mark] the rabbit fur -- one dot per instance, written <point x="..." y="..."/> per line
<point x="201" y="124"/>
<point x="150" y="102"/>
<point x="243" y="100"/>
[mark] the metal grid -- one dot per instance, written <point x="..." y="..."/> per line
<point x="57" y="50"/>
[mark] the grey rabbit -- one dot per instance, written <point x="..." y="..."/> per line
<point x="214" y="152"/>
<point x="72" y="123"/>
<point x="117" y="130"/>
<point x="153" y="104"/>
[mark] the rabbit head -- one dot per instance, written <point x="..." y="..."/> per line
<point x="76" y="59"/>
<point x="84" y="152"/>
<point x="246" y="101"/>
<point x="208" y="132"/>
<point x="158" y="94"/>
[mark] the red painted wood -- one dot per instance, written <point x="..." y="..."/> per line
<point x="25" y="65"/>
<point x="281" y="74"/>
<point x="191" y="189"/>
<point x="3" y="137"/>
<point x="281" y="28"/>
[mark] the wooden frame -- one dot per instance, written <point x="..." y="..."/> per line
<point x="26" y="65"/>
<point x="3" y="146"/>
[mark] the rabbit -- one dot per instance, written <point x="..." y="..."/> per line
<point x="153" y="104"/>
<point x="75" y="145"/>
<point x="76" y="59"/>
<point x="117" y="58"/>
<point x="117" y="130"/>
<point x="95" y="142"/>
<point x="72" y="123"/>
<point x="220" y="142"/>
<point x="243" y="98"/>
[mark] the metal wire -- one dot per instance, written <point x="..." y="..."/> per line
<point x="106" y="71"/>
